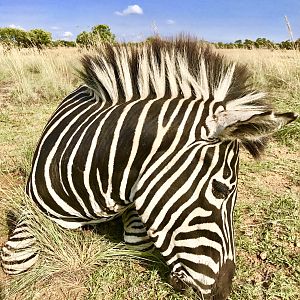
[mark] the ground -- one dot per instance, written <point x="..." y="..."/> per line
<point x="85" y="264"/>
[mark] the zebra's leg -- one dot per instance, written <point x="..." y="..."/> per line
<point x="135" y="234"/>
<point x="20" y="252"/>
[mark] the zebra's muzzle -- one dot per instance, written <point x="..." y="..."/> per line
<point x="177" y="283"/>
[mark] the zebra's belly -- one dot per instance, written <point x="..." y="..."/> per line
<point x="69" y="210"/>
<point x="77" y="224"/>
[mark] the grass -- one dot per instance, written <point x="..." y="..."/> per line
<point x="268" y="248"/>
<point x="92" y="264"/>
<point x="84" y="264"/>
<point x="39" y="76"/>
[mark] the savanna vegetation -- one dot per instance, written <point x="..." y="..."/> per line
<point x="92" y="264"/>
<point x="259" y="43"/>
<point x="15" y="37"/>
<point x="20" y="38"/>
<point x="39" y="38"/>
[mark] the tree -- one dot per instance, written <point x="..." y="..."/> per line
<point x="103" y="33"/>
<point x="14" y="37"/>
<point x="99" y="33"/>
<point x="84" y="39"/>
<point x="263" y="43"/>
<point x="238" y="44"/>
<point x="63" y="43"/>
<point x="220" y="45"/>
<point x="22" y="38"/>
<point x="260" y="43"/>
<point x="286" y="45"/>
<point x="249" y="44"/>
<point x="40" y="38"/>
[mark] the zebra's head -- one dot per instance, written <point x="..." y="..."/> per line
<point x="199" y="245"/>
<point x="196" y="109"/>
<point x="193" y="228"/>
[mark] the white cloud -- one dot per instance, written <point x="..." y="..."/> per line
<point x="54" y="27"/>
<point x="15" y="26"/>
<point x="67" y="34"/>
<point x="130" y="10"/>
<point x="170" y="22"/>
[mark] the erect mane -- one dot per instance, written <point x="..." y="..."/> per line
<point x="163" y="68"/>
<point x="172" y="68"/>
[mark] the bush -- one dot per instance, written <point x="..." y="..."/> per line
<point x="99" y="33"/>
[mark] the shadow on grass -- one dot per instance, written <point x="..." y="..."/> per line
<point x="11" y="222"/>
<point x="112" y="230"/>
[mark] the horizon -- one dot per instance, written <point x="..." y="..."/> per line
<point x="220" y="21"/>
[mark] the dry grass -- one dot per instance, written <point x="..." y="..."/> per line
<point x="67" y="257"/>
<point x="39" y="76"/>
<point x="87" y="264"/>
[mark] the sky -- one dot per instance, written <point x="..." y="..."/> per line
<point x="211" y="20"/>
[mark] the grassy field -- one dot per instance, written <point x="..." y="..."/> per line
<point x="92" y="265"/>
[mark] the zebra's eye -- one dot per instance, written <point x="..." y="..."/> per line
<point x="220" y="190"/>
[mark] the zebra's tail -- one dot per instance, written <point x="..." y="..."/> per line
<point x="20" y="252"/>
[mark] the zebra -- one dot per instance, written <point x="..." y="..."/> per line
<point x="153" y="135"/>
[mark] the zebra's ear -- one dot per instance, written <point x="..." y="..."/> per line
<point x="247" y="125"/>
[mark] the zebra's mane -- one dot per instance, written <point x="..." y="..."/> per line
<point x="171" y="68"/>
<point x="162" y="69"/>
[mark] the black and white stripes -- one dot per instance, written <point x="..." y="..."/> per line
<point x="154" y="135"/>
<point x="20" y="252"/>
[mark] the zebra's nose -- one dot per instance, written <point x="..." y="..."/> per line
<point x="223" y="283"/>
<point x="181" y="286"/>
<point x="177" y="283"/>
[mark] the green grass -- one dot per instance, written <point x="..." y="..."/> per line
<point x="93" y="264"/>
<point x="88" y="265"/>
<point x="268" y="257"/>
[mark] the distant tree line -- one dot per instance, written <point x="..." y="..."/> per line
<point x="259" y="43"/>
<point x="25" y="39"/>
<point x="14" y="37"/>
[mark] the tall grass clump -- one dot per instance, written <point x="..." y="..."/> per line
<point x="68" y="259"/>
<point x="39" y="75"/>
